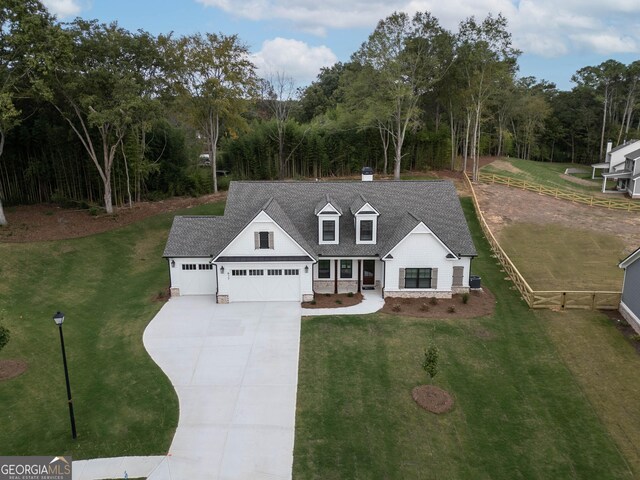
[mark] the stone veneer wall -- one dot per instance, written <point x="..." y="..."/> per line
<point x="328" y="286"/>
<point x="222" y="299"/>
<point x="307" y="297"/>
<point x="416" y="294"/>
<point x="455" y="290"/>
<point x="175" y="291"/>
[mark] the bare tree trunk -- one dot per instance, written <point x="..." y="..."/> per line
<point x="466" y="141"/>
<point x="604" y="120"/>
<point x="3" y="219"/>
<point x="384" y="136"/>
<point x="126" y="169"/>
<point x="453" y="138"/>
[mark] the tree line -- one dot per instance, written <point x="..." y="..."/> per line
<point x="93" y="113"/>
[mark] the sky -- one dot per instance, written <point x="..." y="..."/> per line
<point x="298" y="37"/>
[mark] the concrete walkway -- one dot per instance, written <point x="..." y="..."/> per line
<point x="115" y="467"/>
<point x="372" y="302"/>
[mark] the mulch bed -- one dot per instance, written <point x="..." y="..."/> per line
<point x="41" y="222"/>
<point x="480" y="304"/>
<point x="432" y="398"/>
<point x="338" y="300"/>
<point x="12" y="368"/>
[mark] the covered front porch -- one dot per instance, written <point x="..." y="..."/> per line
<point x="622" y="178"/>
<point x="348" y="275"/>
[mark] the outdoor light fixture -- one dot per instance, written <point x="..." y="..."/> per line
<point x="306" y="269"/>
<point x="58" y="318"/>
<point x="173" y="264"/>
<point x="221" y="269"/>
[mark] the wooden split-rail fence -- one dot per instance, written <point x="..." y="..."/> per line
<point x="611" y="203"/>
<point x="604" y="300"/>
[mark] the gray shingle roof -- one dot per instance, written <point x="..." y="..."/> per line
<point x="633" y="155"/>
<point x="402" y="206"/>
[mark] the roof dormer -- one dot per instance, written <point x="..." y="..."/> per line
<point x="366" y="221"/>
<point x="328" y="214"/>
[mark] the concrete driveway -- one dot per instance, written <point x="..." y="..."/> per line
<point x="235" y="369"/>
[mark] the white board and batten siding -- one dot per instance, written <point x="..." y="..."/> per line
<point x="264" y="281"/>
<point x="193" y="276"/>
<point x="422" y="249"/>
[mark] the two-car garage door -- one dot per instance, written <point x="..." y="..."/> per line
<point x="264" y="284"/>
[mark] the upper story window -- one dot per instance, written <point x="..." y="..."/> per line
<point x="328" y="222"/>
<point x="366" y="230"/>
<point x="264" y="240"/>
<point x="328" y="230"/>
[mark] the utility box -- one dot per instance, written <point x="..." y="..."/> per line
<point x="474" y="281"/>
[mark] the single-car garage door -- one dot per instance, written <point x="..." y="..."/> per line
<point x="265" y="284"/>
<point x="197" y="279"/>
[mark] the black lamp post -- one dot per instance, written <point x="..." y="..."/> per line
<point x="59" y="319"/>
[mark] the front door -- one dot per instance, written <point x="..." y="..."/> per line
<point x="368" y="273"/>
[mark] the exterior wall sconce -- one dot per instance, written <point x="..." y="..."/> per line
<point x="306" y="269"/>
<point x="173" y="264"/>
<point x="221" y="269"/>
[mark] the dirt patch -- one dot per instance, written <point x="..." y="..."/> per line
<point x="432" y="398"/>
<point x="502" y="205"/>
<point x="579" y="181"/>
<point x="479" y="304"/>
<point x="11" y="369"/>
<point x="34" y="223"/>
<point x="506" y="166"/>
<point x="339" y="300"/>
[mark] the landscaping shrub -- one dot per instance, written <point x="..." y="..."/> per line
<point x="339" y="302"/>
<point x="4" y="336"/>
<point x="451" y="309"/>
<point x="465" y="298"/>
<point x="396" y="308"/>
<point x="424" y="307"/>
<point x="433" y="301"/>
<point x="350" y="294"/>
<point x="430" y="362"/>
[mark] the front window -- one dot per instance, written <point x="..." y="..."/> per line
<point x="264" y="240"/>
<point x="328" y="230"/>
<point x="346" y="267"/>
<point x="324" y="269"/>
<point x="417" y="278"/>
<point x="366" y="230"/>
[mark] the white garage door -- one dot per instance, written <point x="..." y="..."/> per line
<point x="197" y="279"/>
<point x="265" y="284"/>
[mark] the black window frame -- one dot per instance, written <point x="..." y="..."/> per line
<point x="370" y="232"/>
<point x="263" y="242"/>
<point x="418" y="281"/>
<point x="324" y="272"/>
<point x="346" y="267"/>
<point x="332" y="231"/>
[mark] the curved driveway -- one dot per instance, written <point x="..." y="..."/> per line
<point x="235" y="369"/>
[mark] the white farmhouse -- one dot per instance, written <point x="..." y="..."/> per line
<point x="285" y="241"/>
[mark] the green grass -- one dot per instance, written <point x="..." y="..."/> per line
<point x="606" y="366"/>
<point x="519" y="411"/>
<point x="545" y="173"/>
<point x="553" y="257"/>
<point x="107" y="286"/>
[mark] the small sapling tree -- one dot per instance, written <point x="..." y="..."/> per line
<point x="430" y="363"/>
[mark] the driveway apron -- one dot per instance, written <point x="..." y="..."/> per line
<point x="235" y="370"/>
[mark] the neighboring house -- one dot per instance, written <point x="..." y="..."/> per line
<point x="623" y="165"/>
<point x="630" y="303"/>
<point x="289" y="240"/>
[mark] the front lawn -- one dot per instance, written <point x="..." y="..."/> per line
<point x="519" y="411"/>
<point x="107" y="285"/>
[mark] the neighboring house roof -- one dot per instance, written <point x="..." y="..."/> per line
<point x="622" y="145"/>
<point x="402" y="205"/>
<point x="633" y="155"/>
<point x="630" y="259"/>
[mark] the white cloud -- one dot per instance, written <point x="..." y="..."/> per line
<point x="292" y="58"/>
<point x="63" y="8"/>
<point x="543" y="27"/>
